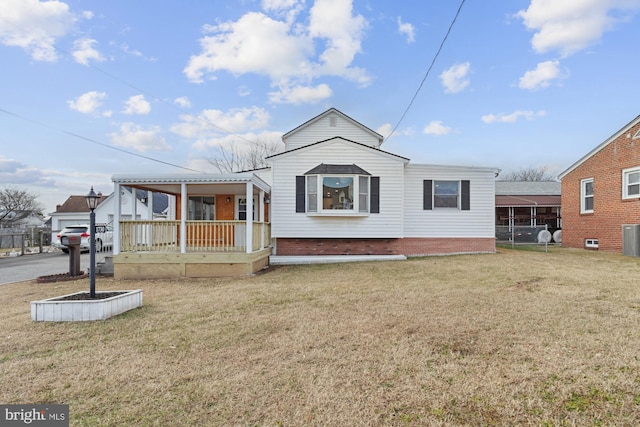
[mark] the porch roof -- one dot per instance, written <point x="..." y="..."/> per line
<point x="171" y="183"/>
<point x="528" y="200"/>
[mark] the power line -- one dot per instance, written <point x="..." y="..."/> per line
<point x="126" y="83"/>
<point x="93" y="141"/>
<point x="433" y="61"/>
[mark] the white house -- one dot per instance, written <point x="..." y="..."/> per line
<point x="335" y="192"/>
<point x="75" y="210"/>
<point x="332" y="192"/>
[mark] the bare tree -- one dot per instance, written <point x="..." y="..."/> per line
<point x="540" y="173"/>
<point x="243" y="157"/>
<point x="16" y="204"/>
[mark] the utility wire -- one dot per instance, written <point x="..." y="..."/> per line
<point x="433" y="61"/>
<point x="93" y="141"/>
<point x="121" y="80"/>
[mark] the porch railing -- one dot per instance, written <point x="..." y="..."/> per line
<point x="201" y="236"/>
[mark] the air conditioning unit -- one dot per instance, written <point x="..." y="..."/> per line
<point x="631" y="240"/>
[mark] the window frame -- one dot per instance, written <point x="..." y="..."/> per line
<point x="192" y="208"/>
<point x="625" y="182"/>
<point x="463" y="196"/>
<point x="355" y="210"/>
<point x="584" y="195"/>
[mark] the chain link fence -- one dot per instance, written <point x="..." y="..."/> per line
<point x="30" y="240"/>
<point x="540" y="236"/>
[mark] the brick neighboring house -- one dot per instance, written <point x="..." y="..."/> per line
<point x="601" y="192"/>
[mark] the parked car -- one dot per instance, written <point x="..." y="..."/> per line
<point x="103" y="240"/>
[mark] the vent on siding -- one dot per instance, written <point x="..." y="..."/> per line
<point x="333" y="121"/>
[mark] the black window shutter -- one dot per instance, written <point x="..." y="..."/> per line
<point x="375" y="194"/>
<point x="465" y="203"/>
<point x="427" y="199"/>
<point x="300" y="193"/>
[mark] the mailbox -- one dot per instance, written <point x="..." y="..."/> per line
<point x="72" y="242"/>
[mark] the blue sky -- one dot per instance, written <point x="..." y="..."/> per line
<point x="89" y="89"/>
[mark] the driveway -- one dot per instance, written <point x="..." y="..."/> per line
<point x="29" y="267"/>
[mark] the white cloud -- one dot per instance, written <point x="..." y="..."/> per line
<point x="242" y="141"/>
<point x="136" y="137"/>
<point x="455" y="78"/>
<point x="541" y="77"/>
<point x="301" y="94"/>
<point x="407" y="29"/>
<point x="436" y="128"/>
<point x="569" y="26"/>
<point x="90" y="103"/>
<point x="34" y="26"/>
<point x="183" y="102"/>
<point x="333" y="21"/>
<point x="512" y="117"/>
<point x="14" y="172"/>
<point x="83" y="51"/>
<point x="137" y="105"/>
<point x="279" y="4"/>
<point x="285" y="50"/>
<point x="213" y="123"/>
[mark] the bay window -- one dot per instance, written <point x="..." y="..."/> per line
<point x="337" y="190"/>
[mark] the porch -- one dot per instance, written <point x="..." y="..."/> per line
<point x="210" y="229"/>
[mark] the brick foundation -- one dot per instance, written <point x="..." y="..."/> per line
<point x="407" y="246"/>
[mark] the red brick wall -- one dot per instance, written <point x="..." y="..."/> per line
<point x="610" y="211"/>
<point x="409" y="246"/>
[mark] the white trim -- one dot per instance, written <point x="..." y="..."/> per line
<point x="583" y="184"/>
<point x="613" y="137"/>
<point x="625" y="182"/>
<point x="183" y="217"/>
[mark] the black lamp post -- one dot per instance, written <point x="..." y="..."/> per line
<point x="92" y="201"/>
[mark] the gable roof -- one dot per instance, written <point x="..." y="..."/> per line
<point x="341" y="114"/>
<point x="306" y="147"/>
<point x="77" y="204"/>
<point x="612" y="138"/>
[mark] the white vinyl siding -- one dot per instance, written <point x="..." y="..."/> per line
<point x="322" y="130"/>
<point x="477" y="222"/>
<point x="286" y="222"/>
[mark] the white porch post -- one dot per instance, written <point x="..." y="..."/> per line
<point x="134" y="204"/>
<point x="249" y="220"/>
<point x="183" y="218"/>
<point x="261" y="218"/>
<point x="117" y="212"/>
<point x="150" y="204"/>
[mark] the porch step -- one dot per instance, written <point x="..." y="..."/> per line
<point x="105" y="267"/>
<point x="328" y="259"/>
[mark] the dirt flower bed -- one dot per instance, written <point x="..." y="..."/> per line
<point x="62" y="277"/>
<point x="515" y="338"/>
<point x="84" y="296"/>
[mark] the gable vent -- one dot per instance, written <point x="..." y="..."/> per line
<point x="333" y="121"/>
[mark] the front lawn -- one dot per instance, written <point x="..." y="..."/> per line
<point x="513" y="338"/>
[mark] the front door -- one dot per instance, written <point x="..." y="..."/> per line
<point x="241" y="215"/>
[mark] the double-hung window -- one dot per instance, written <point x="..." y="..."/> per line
<point x="446" y="194"/>
<point x="337" y="190"/>
<point x="586" y="195"/>
<point x="631" y="183"/>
